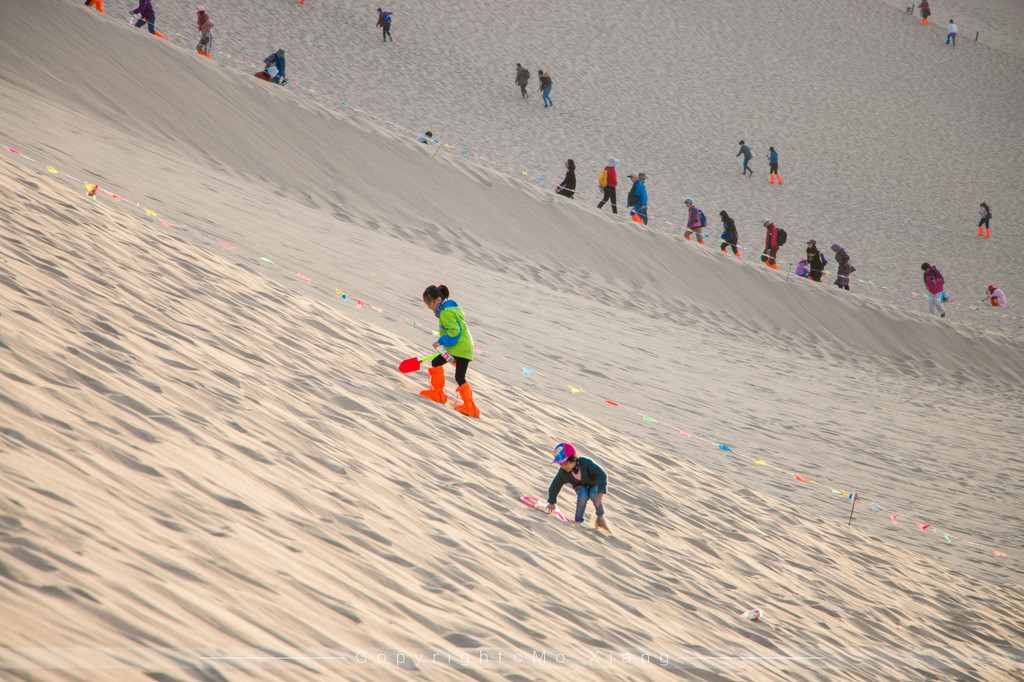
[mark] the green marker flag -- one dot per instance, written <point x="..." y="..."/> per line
<point x="949" y="539"/>
<point x="648" y="419"/>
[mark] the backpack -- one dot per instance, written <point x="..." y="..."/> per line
<point x="387" y="19"/>
<point x="824" y="261"/>
<point x="703" y="219"/>
<point x="603" y="178"/>
<point x="782" y="235"/>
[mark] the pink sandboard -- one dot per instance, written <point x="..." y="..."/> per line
<point x="538" y="504"/>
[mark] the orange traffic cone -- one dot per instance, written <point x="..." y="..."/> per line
<point x="467" y="406"/>
<point x="436" y="390"/>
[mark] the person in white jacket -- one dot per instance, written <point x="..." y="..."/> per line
<point x="995" y="297"/>
<point x="951" y="36"/>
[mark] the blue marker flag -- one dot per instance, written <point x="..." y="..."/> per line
<point x="723" y="446"/>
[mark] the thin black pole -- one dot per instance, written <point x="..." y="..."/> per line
<point x="852" y="507"/>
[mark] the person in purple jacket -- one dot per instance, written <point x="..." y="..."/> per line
<point x="146" y="15"/>
<point x="935" y="284"/>
<point x="693" y="221"/>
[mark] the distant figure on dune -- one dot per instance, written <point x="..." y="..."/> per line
<point x="639" y="209"/>
<point x="816" y="261"/>
<point x="773" y="166"/>
<point x="98" y="4"/>
<point x="545" y="87"/>
<point x="384" y="21"/>
<point x="522" y="79"/>
<point x="695" y="221"/>
<point x="608" y="180"/>
<point x="455" y="344"/>
<point x="275" y="61"/>
<point x="567" y="188"/>
<point x="426" y="137"/>
<point x="845" y="268"/>
<point x="146" y="15"/>
<point x="935" y="284"/>
<point x="952" y="33"/>
<point x="205" y="24"/>
<point x="631" y="197"/>
<point x="588" y="480"/>
<point x="773" y="239"/>
<point x="747" y="156"/>
<point x="995" y="297"/>
<point x="730" y="237"/>
<point x="926" y="12"/>
<point x="986" y="215"/>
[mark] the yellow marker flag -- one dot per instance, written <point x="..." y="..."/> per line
<point x="575" y="390"/>
<point x="51" y="169"/>
<point x="148" y="211"/>
<point x="91" y="189"/>
<point x="761" y="462"/>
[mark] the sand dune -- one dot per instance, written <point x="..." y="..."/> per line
<point x="207" y="460"/>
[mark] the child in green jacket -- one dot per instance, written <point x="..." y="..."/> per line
<point x="457" y="347"/>
<point x="587" y="479"/>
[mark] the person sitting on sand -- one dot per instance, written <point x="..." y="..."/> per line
<point x="426" y="137"/>
<point x="567" y="188"/>
<point x="995" y="297"/>
<point x="276" y="60"/>
<point x="587" y="479"/>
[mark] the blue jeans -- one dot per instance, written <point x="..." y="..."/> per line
<point x="583" y="494"/>
<point x="951" y="36"/>
<point x="152" y="28"/>
<point x="547" y="98"/>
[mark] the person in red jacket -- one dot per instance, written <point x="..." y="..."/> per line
<point x="610" y="181"/>
<point x="384" y="21"/>
<point x="205" y="25"/>
<point x="771" y="244"/>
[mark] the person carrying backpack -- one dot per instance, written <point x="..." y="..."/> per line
<point x="774" y="237"/>
<point x="608" y="180"/>
<point x="147" y="15"/>
<point x="522" y="78"/>
<point x="695" y="221"/>
<point x="816" y="261"/>
<point x="545" y="87"/>
<point x="935" y="284"/>
<point x="730" y="237"/>
<point x="384" y="21"/>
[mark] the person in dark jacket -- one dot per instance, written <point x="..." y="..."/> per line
<point x="384" y="21"/>
<point x="747" y="156"/>
<point x="276" y="59"/>
<point x="640" y="209"/>
<point x="522" y="79"/>
<point x="545" y="87"/>
<point x="146" y="15"/>
<point x="587" y="479"/>
<point x="730" y="237"/>
<point x="771" y="244"/>
<point x="986" y="215"/>
<point x="567" y="188"/>
<point x="816" y="261"/>
<point x="632" y="198"/>
<point x="773" y="166"/>
<point x="844" y="267"/>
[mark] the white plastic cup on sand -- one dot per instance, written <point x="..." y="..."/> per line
<point x="753" y="614"/>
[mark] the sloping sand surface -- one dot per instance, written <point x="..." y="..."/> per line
<point x="211" y="469"/>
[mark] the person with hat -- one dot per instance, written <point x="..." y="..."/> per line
<point x="587" y="479"/>
<point x="608" y="181"/>
<point x="639" y="210"/>
<point x="996" y="297"/>
<point x="632" y="198"/>
<point x="771" y="244"/>
<point x="205" y="24"/>
<point x="845" y="267"/>
<point x="695" y="221"/>
<point x="276" y="62"/>
<point x="816" y="261"/>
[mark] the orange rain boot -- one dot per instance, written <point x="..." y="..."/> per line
<point x="737" y="254"/>
<point x="987" y="236"/>
<point x="436" y="390"/>
<point x="980" y="233"/>
<point x="771" y="178"/>
<point x="779" y="177"/>
<point x="926" y="22"/>
<point x="467" y="406"/>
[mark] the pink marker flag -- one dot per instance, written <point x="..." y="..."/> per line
<point x="164" y="223"/>
<point x="13" y="151"/>
<point x="996" y="552"/>
<point x="302" y="277"/>
<point x="684" y="434"/>
<point x="225" y="245"/>
<point x="379" y="310"/>
<point x="922" y="525"/>
<point x="893" y="517"/>
<point x="360" y="304"/>
<point x="801" y="478"/>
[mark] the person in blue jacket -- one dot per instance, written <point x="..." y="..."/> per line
<point x="640" y="191"/>
<point x="773" y="166"/>
<point x="747" y="156"/>
<point x="587" y="479"/>
<point x="276" y="59"/>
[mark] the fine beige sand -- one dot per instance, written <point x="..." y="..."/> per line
<point x="211" y="468"/>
